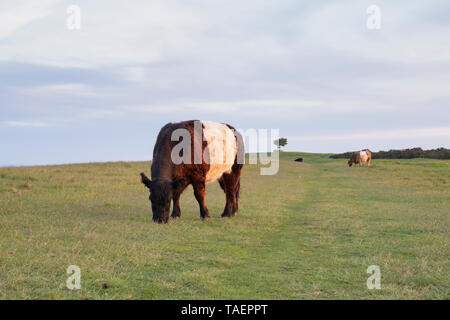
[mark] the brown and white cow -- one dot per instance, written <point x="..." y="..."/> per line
<point x="360" y="157"/>
<point x="215" y="151"/>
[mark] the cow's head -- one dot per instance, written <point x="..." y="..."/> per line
<point x="161" y="193"/>
<point x="350" y="162"/>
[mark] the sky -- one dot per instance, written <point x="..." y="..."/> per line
<point x="314" y="70"/>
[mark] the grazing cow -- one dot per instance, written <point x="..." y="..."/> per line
<point x="360" y="157"/>
<point x="214" y="151"/>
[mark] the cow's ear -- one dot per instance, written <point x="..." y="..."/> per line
<point x="178" y="183"/>
<point x="145" y="180"/>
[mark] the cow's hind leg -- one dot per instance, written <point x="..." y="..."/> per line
<point x="224" y="182"/>
<point x="200" y="193"/>
<point x="236" y="204"/>
<point x="230" y="183"/>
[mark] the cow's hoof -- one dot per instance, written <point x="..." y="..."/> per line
<point x="205" y="218"/>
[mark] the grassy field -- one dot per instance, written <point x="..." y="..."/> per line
<point x="309" y="232"/>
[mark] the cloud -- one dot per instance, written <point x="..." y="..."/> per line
<point x="403" y="38"/>
<point x="411" y="133"/>
<point x="147" y="32"/>
<point x="75" y="89"/>
<point x="290" y="108"/>
<point x="19" y="13"/>
<point x="275" y="32"/>
<point x="22" y="124"/>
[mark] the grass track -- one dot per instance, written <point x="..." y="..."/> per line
<point x="309" y="232"/>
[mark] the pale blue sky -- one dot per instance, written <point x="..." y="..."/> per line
<point x="311" y="69"/>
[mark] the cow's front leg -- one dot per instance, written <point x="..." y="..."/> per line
<point x="176" y="211"/>
<point x="200" y="193"/>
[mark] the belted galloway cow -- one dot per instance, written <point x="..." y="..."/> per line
<point x="194" y="152"/>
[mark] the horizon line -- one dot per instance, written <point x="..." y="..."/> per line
<point x="150" y="160"/>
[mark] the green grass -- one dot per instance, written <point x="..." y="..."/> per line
<point x="309" y="232"/>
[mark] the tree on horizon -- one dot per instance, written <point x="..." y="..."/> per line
<point x="280" y="143"/>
